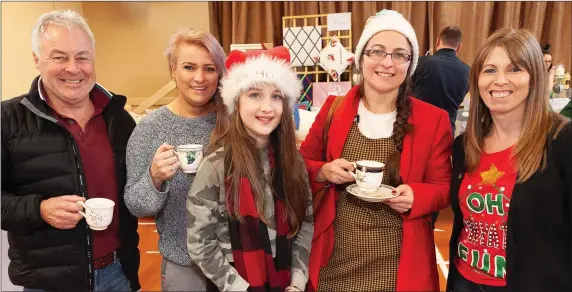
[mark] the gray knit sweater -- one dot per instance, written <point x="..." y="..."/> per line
<point x="168" y="205"/>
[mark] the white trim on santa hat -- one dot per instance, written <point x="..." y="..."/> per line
<point x="257" y="70"/>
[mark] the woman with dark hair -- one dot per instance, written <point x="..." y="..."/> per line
<point x="379" y="246"/>
<point x="548" y="63"/>
<point x="547" y="57"/>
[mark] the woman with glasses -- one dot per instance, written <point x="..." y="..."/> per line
<point x="384" y="246"/>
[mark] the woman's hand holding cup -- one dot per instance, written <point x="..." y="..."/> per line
<point x="336" y="172"/>
<point x="404" y="200"/>
<point x="164" y="165"/>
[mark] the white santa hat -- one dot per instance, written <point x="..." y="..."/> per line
<point x="245" y="70"/>
<point x="387" y="20"/>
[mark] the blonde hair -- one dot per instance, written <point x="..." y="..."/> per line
<point x="209" y="42"/>
<point x="196" y="37"/>
<point x="539" y="120"/>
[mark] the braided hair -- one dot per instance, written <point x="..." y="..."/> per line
<point x="400" y="128"/>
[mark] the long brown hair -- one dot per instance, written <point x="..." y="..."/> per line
<point x="539" y="120"/>
<point x="288" y="177"/>
<point x="400" y="127"/>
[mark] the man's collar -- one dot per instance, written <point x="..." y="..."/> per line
<point x="446" y="51"/>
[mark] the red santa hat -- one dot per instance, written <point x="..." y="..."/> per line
<point x="245" y="70"/>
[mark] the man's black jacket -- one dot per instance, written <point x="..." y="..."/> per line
<point x="40" y="160"/>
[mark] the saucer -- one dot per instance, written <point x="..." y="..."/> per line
<point x="379" y="195"/>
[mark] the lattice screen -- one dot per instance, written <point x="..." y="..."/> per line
<point x="310" y="28"/>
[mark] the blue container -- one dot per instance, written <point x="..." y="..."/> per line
<point x="296" y="113"/>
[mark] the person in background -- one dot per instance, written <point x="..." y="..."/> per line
<point x="389" y="245"/>
<point x="156" y="186"/>
<point x="250" y="221"/>
<point x="443" y="79"/>
<point x="549" y="65"/>
<point x="547" y="57"/>
<point x="64" y="142"/>
<point x="512" y="176"/>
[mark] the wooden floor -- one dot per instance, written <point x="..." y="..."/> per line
<point x="150" y="270"/>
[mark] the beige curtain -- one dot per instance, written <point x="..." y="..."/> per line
<point x="550" y="22"/>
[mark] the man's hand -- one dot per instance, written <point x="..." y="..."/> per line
<point x="62" y="212"/>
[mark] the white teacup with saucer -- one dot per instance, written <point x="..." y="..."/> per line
<point x="368" y="174"/>
<point x="382" y="193"/>
<point x="368" y="186"/>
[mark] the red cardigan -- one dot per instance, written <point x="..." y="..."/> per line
<point x="426" y="167"/>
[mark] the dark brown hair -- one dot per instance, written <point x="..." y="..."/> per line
<point x="451" y="36"/>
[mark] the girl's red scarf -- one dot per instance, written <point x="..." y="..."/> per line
<point x="251" y="248"/>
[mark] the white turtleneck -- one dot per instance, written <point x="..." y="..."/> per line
<point x="375" y="126"/>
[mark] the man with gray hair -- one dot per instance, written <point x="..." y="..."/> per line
<point x="64" y="142"/>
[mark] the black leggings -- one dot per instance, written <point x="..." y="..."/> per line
<point x="460" y="284"/>
<point x="211" y="287"/>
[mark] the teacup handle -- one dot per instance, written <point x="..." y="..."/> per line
<point x="84" y="206"/>
<point x="353" y="173"/>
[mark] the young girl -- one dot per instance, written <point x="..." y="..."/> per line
<point x="250" y="221"/>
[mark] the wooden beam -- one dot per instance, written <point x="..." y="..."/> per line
<point x="136" y="101"/>
<point x="155" y="97"/>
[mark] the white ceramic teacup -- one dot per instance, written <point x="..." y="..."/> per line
<point x="368" y="174"/>
<point x="190" y="157"/>
<point x="98" y="212"/>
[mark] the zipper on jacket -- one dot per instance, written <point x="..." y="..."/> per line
<point x="83" y="192"/>
<point x="82" y="188"/>
<point x="80" y="183"/>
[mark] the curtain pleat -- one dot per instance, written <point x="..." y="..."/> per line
<point x="260" y="22"/>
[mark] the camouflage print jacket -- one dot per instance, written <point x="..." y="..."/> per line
<point x="208" y="237"/>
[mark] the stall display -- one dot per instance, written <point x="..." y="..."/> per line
<point x="302" y="43"/>
<point x="334" y="58"/>
<point x="315" y="61"/>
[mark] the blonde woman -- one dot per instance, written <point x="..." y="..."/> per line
<point x="512" y="176"/>
<point x="155" y="184"/>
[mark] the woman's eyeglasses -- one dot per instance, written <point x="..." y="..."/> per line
<point x="379" y="55"/>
